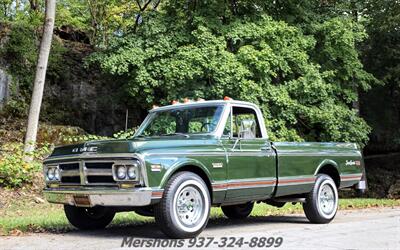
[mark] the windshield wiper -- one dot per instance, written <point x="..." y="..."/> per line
<point x="174" y="134"/>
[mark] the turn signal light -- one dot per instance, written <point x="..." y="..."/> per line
<point x="186" y="100"/>
<point x="227" y="98"/>
<point x="174" y="102"/>
<point x="127" y="185"/>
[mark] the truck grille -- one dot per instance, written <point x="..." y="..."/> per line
<point x="87" y="173"/>
<point x="99" y="172"/>
<point x="69" y="166"/>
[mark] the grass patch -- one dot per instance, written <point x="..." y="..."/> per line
<point x="31" y="217"/>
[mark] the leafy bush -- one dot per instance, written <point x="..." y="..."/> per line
<point x="14" y="170"/>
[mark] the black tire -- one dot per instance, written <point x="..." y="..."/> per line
<point x="277" y="204"/>
<point x="314" y="210"/>
<point x="168" y="213"/>
<point x="147" y="211"/>
<point x="240" y="211"/>
<point x="89" y="218"/>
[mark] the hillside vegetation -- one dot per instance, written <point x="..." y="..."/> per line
<point x="319" y="70"/>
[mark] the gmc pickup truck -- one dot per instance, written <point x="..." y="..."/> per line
<point x="187" y="157"/>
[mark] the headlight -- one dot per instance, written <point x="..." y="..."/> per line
<point x="51" y="173"/>
<point x="126" y="171"/>
<point x="121" y="172"/>
<point x="56" y="174"/>
<point x="132" y="172"/>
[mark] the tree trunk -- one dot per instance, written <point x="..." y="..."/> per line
<point x="38" y="85"/>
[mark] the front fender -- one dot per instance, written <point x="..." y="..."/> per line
<point x="180" y="163"/>
<point x="160" y="168"/>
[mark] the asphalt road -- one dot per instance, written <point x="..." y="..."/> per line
<point x="356" y="229"/>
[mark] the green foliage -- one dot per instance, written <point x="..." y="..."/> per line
<point x="125" y="134"/>
<point x="100" y="19"/>
<point x="14" y="170"/>
<point x="305" y="84"/>
<point x="88" y="137"/>
<point x="81" y="138"/>
<point x="299" y="60"/>
<point x="381" y="56"/>
<point x="73" y="13"/>
<point x="21" y="51"/>
<point x="383" y="46"/>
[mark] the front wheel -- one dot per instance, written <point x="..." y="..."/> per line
<point x="322" y="202"/>
<point x="184" y="210"/>
<point x="89" y="218"/>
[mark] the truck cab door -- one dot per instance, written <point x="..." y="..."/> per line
<point x="251" y="159"/>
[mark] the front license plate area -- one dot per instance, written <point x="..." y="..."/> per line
<point x="82" y="200"/>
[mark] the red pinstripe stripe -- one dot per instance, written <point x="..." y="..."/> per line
<point x="243" y="183"/>
<point x="157" y="193"/>
<point x="255" y="183"/>
<point x="297" y="180"/>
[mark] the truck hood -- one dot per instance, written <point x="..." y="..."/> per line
<point x="138" y="145"/>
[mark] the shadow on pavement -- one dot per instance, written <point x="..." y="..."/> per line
<point x="150" y="229"/>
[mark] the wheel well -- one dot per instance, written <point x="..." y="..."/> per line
<point x="332" y="172"/>
<point x="199" y="172"/>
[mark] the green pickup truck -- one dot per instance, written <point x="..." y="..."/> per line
<point x="187" y="157"/>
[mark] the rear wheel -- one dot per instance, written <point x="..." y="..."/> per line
<point x="240" y="211"/>
<point x="322" y="202"/>
<point x="184" y="210"/>
<point x="89" y="218"/>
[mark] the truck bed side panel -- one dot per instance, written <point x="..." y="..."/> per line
<point x="298" y="164"/>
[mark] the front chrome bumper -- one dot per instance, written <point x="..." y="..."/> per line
<point x="101" y="197"/>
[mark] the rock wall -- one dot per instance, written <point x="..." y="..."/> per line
<point x="86" y="97"/>
<point x="74" y="95"/>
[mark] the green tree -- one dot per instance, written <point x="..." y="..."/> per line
<point x="305" y="82"/>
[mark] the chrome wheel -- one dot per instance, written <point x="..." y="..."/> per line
<point x="327" y="200"/>
<point x="190" y="206"/>
<point x="322" y="201"/>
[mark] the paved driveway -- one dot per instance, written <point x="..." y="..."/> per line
<point x="356" y="229"/>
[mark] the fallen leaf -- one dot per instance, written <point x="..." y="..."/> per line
<point x="15" y="232"/>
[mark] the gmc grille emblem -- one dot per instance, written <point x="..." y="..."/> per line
<point x="84" y="149"/>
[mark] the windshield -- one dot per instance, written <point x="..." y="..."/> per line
<point x="182" y="121"/>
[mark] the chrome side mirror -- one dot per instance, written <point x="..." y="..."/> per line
<point x="247" y="129"/>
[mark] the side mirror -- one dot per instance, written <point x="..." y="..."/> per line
<point x="247" y="129"/>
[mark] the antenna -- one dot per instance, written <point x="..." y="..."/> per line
<point x="126" y="119"/>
